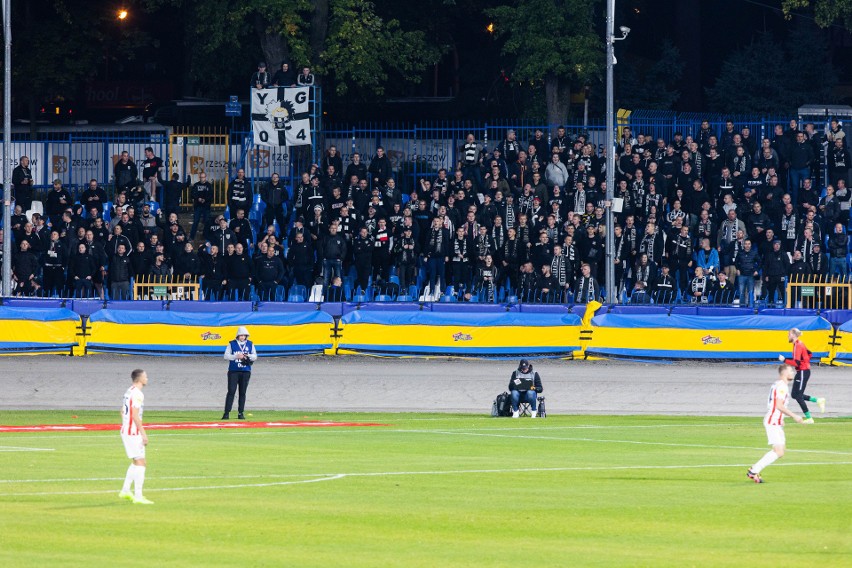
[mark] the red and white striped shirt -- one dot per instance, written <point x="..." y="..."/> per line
<point x="778" y="396"/>
<point x="133" y="398"/>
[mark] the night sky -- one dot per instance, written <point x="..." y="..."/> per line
<point x="705" y="32"/>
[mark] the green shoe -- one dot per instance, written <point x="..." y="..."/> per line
<point x="142" y="501"/>
<point x="808" y="421"/>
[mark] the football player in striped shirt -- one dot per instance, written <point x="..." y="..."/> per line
<point x="134" y="437"/>
<point x="779" y="394"/>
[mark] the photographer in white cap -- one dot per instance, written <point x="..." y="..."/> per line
<point x="241" y="354"/>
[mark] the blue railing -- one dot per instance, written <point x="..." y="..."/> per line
<point x="415" y="149"/>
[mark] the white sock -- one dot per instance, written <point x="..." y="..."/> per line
<point x="128" y="479"/>
<point x="139" y="480"/>
<point x="766" y="460"/>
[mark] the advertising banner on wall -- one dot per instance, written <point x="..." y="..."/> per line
<point x="35" y="151"/>
<point x="78" y="162"/>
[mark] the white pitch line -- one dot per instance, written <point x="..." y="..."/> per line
<point x="267" y="432"/>
<point x="336" y="476"/>
<point x="182" y="477"/>
<point x="671" y="444"/>
<point x="19" y="449"/>
<point x="198" y="488"/>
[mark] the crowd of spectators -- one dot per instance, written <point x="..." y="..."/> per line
<point x="709" y="218"/>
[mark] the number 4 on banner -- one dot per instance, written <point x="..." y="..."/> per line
<point x="299" y="133"/>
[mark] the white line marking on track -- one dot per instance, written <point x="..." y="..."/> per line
<point x="553" y="438"/>
<point x="315" y="478"/>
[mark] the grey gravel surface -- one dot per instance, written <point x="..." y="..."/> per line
<point x="354" y="383"/>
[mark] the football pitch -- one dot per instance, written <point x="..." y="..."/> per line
<point x="428" y="490"/>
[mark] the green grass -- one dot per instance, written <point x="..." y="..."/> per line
<point x="431" y="490"/>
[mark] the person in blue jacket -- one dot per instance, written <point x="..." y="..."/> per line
<point x="240" y="354"/>
<point x="707" y="258"/>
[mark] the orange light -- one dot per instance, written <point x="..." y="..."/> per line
<point x="490" y="28"/>
<point x="122" y="14"/>
<point x="56" y="111"/>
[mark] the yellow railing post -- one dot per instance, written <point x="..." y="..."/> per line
<point x="824" y="292"/>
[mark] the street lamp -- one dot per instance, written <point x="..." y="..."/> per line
<point x="121" y="15"/>
<point x="611" y="290"/>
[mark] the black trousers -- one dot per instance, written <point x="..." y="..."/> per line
<point x="274" y="213"/>
<point x="53" y="279"/>
<point x="771" y="285"/>
<point x="800" y="383"/>
<point x="237" y="379"/>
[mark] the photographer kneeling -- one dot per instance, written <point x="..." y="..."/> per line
<point x="524" y="386"/>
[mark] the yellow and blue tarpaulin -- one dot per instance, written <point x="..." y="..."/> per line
<point x="676" y="336"/>
<point x="37" y="330"/>
<point x="186" y="333"/>
<point x="458" y="333"/>
<point x="844" y="343"/>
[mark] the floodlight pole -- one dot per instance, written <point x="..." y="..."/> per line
<point x="7" y="147"/>
<point x="611" y="289"/>
<point x="610" y="153"/>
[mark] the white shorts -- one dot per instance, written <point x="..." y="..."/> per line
<point x="775" y="435"/>
<point x="133" y="446"/>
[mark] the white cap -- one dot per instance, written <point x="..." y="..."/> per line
<point x="242" y="331"/>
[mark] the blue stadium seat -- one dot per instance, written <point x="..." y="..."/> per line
<point x="299" y="291"/>
<point x="280" y="293"/>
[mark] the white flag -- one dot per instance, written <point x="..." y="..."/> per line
<point x="281" y="117"/>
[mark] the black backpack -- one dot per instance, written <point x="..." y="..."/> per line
<point x="501" y="405"/>
<point x="542" y="413"/>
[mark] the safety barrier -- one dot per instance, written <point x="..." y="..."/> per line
<point x="695" y="336"/>
<point x="192" y="333"/>
<point x="402" y="329"/>
<point x="414" y="149"/>
<point x="843" y="344"/>
<point x="196" y="150"/>
<point x="460" y="333"/>
<point x="38" y="330"/>
<point x="819" y="291"/>
<point x="152" y="287"/>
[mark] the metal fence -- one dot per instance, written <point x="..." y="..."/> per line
<point x="79" y="156"/>
<point x="415" y="150"/>
<point x="819" y="292"/>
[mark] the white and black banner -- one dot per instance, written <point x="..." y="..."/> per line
<point x="280" y="116"/>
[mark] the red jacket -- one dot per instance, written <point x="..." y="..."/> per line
<point x="801" y="357"/>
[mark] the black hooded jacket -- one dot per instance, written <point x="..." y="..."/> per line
<point x="521" y="381"/>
